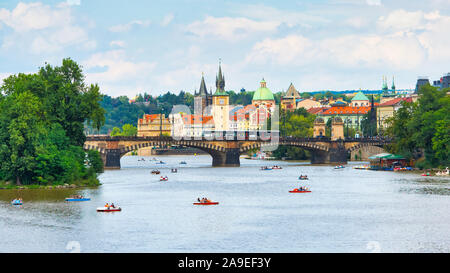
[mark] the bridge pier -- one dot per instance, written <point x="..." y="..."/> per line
<point x="229" y="158"/>
<point x="336" y="155"/>
<point x="111" y="159"/>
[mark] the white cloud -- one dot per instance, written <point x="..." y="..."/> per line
<point x="357" y="22"/>
<point x="369" y="51"/>
<point x="229" y="28"/>
<point x="129" y="26"/>
<point x="167" y="19"/>
<point x="73" y="2"/>
<point x="34" y="16"/>
<point x="117" y="43"/>
<point x="290" y="18"/>
<point x="428" y="28"/>
<point x="41" y="28"/>
<point x="120" y="74"/>
<point x="282" y="51"/>
<point x="373" y="2"/>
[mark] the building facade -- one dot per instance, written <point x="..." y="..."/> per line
<point x="387" y="109"/>
<point x="154" y="125"/>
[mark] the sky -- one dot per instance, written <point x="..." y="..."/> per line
<point x="131" y="47"/>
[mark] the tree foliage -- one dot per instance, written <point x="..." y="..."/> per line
<point x="422" y="128"/>
<point x="298" y="123"/>
<point x="127" y="130"/>
<point x="41" y="125"/>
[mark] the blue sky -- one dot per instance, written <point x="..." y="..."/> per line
<point x="128" y="47"/>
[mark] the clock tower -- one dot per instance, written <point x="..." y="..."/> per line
<point x="221" y="101"/>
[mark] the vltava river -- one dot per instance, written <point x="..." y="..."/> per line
<point x="348" y="211"/>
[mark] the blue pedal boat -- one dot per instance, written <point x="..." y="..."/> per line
<point x="78" y="199"/>
<point x="16" y="203"/>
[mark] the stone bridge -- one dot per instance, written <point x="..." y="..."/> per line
<point x="226" y="152"/>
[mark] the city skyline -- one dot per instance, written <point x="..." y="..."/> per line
<point x="158" y="47"/>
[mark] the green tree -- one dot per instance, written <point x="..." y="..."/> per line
<point x="42" y="118"/>
<point x="423" y="127"/>
<point x="129" y="130"/>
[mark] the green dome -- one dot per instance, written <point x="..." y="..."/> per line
<point x="263" y="93"/>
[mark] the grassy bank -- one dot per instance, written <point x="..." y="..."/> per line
<point x="87" y="183"/>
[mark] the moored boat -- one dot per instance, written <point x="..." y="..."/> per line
<point x="156" y="172"/>
<point x="163" y="178"/>
<point x="276" y="168"/>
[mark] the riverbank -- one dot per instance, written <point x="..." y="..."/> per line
<point x="90" y="183"/>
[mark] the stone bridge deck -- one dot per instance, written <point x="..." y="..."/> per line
<point x="226" y="151"/>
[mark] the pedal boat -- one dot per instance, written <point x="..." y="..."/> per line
<point x="206" y="203"/>
<point x="108" y="209"/>
<point x="78" y="199"/>
<point x="298" y="191"/>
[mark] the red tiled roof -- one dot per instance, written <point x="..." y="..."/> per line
<point x="395" y="101"/>
<point x="317" y="110"/>
<point x="346" y="110"/>
<point x="196" y="119"/>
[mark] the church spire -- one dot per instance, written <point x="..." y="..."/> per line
<point x="203" y="91"/>
<point x="393" y="84"/>
<point x="220" y="81"/>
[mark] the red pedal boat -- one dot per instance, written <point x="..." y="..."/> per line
<point x="298" y="191"/>
<point x="206" y="203"/>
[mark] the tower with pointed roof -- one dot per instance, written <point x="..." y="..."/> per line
<point x="221" y="101"/>
<point x="387" y="94"/>
<point x="289" y="100"/>
<point x="202" y="99"/>
<point x="393" y="85"/>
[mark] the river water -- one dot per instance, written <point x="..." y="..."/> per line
<point x="348" y="211"/>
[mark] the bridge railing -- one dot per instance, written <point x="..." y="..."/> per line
<point x="206" y="136"/>
<point x="263" y="136"/>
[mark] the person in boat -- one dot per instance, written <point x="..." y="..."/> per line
<point x="112" y="205"/>
<point x="107" y="205"/>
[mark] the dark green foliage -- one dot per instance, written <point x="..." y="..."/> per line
<point x="423" y="128"/>
<point x="41" y="125"/>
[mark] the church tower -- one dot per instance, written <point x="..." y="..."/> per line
<point x="221" y="101"/>
<point x="202" y="99"/>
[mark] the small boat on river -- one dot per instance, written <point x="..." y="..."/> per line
<point x="156" y="172"/>
<point x="339" y="167"/>
<point x="265" y="168"/>
<point x="109" y="208"/>
<point x="174" y="170"/>
<point x="161" y="162"/>
<point x="300" y="191"/>
<point x="165" y="178"/>
<point x="206" y="203"/>
<point x="276" y="168"/>
<point x="183" y="163"/>
<point x="17" y="202"/>
<point x="77" y="198"/>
